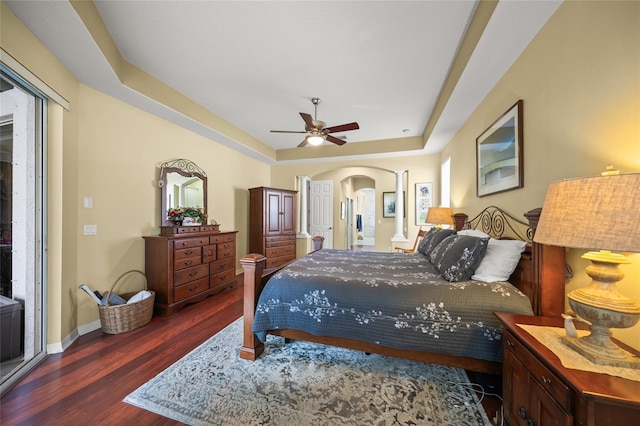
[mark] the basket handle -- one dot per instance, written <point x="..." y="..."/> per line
<point x="133" y="271"/>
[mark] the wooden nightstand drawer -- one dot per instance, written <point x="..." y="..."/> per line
<point x="547" y="379"/>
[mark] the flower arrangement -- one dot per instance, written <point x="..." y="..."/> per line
<point x="177" y="215"/>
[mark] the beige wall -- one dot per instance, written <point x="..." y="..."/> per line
<point x="121" y="150"/>
<point x="580" y="83"/>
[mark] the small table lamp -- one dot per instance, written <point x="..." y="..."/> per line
<point x="439" y="216"/>
<point x="600" y="213"/>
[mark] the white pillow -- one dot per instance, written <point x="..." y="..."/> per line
<point x="473" y="233"/>
<point x="499" y="261"/>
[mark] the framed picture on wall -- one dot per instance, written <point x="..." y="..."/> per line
<point x="424" y="200"/>
<point x="499" y="154"/>
<point x="389" y="204"/>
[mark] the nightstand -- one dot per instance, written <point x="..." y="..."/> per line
<point x="539" y="391"/>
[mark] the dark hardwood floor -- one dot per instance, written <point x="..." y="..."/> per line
<point x="85" y="385"/>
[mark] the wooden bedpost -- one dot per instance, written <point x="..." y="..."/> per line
<point x="460" y="220"/>
<point x="253" y="266"/>
<point x="548" y="273"/>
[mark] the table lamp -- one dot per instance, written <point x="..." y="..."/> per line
<point x="439" y="216"/>
<point x="601" y="213"/>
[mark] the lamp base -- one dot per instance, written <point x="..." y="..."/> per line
<point x="617" y="357"/>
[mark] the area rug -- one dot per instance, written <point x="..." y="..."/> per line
<point x="300" y="383"/>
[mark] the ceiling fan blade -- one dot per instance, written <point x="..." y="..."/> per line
<point x="335" y="140"/>
<point x="287" y="131"/>
<point x="342" y="128"/>
<point x="303" y="143"/>
<point x="308" y="120"/>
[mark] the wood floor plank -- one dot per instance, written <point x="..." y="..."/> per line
<point x="85" y="385"/>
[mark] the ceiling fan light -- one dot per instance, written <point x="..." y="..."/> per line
<point x="315" y="139"/>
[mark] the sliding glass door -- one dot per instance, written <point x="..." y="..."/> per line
<point x="22" y="260"/>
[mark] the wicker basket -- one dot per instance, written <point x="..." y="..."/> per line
<point x="117" y="319"/>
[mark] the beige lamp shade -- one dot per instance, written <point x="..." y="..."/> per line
<point x="601" y="213"/>
<point x="440" y="216"/>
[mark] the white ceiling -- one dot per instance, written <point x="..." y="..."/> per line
<point x="257" y="64"/>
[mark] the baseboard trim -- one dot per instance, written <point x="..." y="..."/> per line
<point x="57" y="347"/>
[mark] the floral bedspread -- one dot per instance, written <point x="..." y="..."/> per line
<point x="391" y="299"/>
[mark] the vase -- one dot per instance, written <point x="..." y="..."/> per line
<point x="190" y="221"/>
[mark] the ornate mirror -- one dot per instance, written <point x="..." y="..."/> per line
<point x="183" y="184"/>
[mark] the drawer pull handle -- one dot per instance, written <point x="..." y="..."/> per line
<point x="193" y="274"/>
<point x="187" y="263"/>
<point x="530" y="422"/>
<point x="545" y="380"/>
<point x="192" y="289"/>
<point x="522" y="412"/>
<point x="188" y="252"/>
<point x="509" y="343"/>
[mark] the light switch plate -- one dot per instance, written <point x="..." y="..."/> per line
<point x="88" y="202"/>
<point x="90" y="229"/>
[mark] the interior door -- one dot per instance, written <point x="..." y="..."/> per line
<point x="321" y="210"/>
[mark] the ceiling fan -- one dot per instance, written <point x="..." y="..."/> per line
<point x="316" y="130"/>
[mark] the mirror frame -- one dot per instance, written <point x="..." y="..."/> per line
<point x="184" y="168"/>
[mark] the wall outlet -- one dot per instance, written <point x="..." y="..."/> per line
<point x="90" y="229"/>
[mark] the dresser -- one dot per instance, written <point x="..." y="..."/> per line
<point x="538" y="390"/>
<point x="272" y="225"/>
<point x="185" y="264"/>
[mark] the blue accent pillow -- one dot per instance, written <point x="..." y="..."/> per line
<point x="432" y="239"/>
<point x="458" y="256"/>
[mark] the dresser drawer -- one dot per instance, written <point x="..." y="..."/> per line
<point x="209" y="253"/>
<point x="226" y="253"/>
<point x="548" y="380"/>
<point x="280" y="251"/>
<point x="227" y="245"/>
<point x="221" y="265"/>
<point x="186" y="290"/>
<point x="190" y="242"/>
<point x="224" y="238"/>
<point x="274" y="262"/>
<point x="186" y="262"/>
<point x="221" y="277"/>
<point x="186" y="253"/>
<point x="190" y="274"/>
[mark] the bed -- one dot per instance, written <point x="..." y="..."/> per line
<point x="399" y="304"/>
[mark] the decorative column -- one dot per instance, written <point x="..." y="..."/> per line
<point x="303" y="186"/>
<point x="399" y="234"/>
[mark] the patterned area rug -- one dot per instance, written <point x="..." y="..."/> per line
<point x="301" y="383"/>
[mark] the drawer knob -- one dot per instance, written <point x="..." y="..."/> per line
<point x="509" y="343"/>
<point x="545" y="380"/>
<point x="530" y="422"/>
<point x="522" y="412"/>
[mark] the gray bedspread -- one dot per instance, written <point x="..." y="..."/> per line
<point x="391" y="299"/>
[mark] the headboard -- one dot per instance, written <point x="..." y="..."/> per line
<point x="540" y="273"/>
